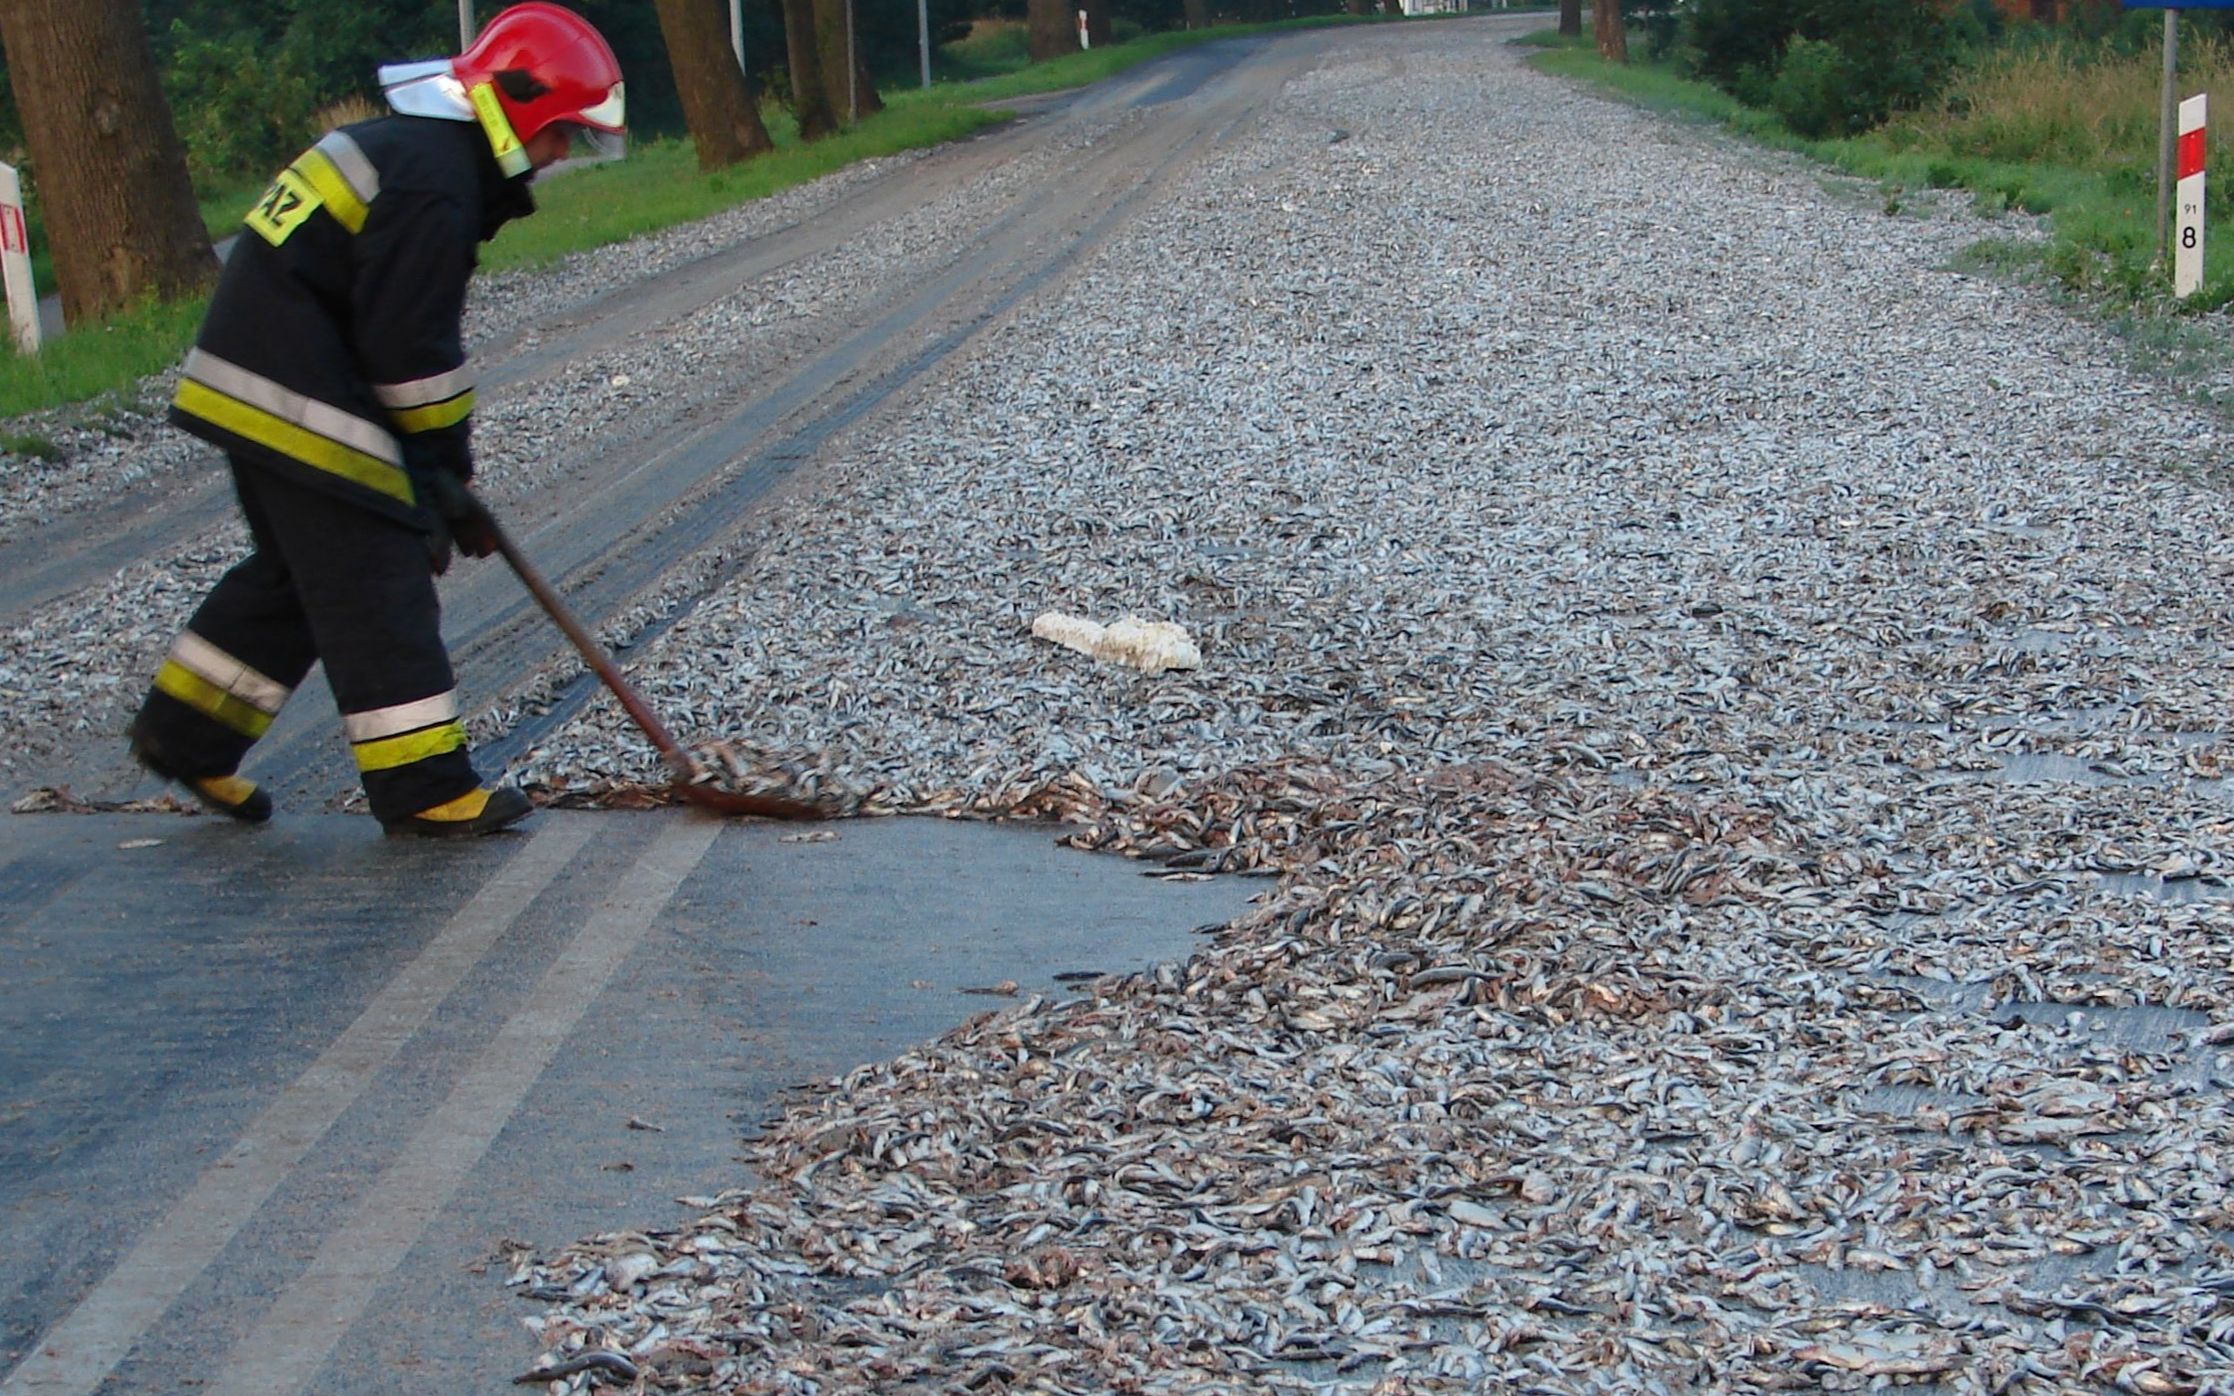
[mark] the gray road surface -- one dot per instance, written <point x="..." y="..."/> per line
<point x="272" y="1101"/>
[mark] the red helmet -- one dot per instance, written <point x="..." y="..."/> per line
<point x="547" y="64"/>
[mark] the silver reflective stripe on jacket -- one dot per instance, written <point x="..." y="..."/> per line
<point x="285" y="403"/>
<point x="349" y="159"/>
<point x="439" y="387"/>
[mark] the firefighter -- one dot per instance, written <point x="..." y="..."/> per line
<point x="331" y="370"/>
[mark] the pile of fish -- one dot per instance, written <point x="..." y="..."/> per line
<point x="1521" y="1080"/>
<point x="1731" y="716"/>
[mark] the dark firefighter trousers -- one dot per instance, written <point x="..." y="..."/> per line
<point x="328" y="581"/>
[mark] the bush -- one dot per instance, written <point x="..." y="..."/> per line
<point x="1859" y="61"/>
<point x="238" y="107"/>
<point x="1736" y="43"/>
<point x="1813" y="91"/>
<point x="1662" y="23"/>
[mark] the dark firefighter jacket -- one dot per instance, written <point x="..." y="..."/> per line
<point x="333" y="349"/>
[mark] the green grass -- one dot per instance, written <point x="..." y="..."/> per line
<point x="994" y="47"/>
<point x="223" y="201"/>
<point x="657" y="186"/>
<point x="98" y="360"/>
<point x="2035" y="129"/>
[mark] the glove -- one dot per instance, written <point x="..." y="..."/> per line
<point x="439" y="551"/>
<point x="468" y="520"/>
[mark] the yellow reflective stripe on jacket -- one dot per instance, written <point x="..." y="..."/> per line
<point x="350" y="159"/>
<point x="227" y="709"/>
<point x="334" y="423"/>
<point x="318" y="171"/>
<point x="294" y="442"/>
<point x="429" y="404"/>
<point x="387" y="753"/>
<point x="434" y="416"/>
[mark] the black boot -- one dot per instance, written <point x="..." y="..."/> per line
<point x="229" y="795"/>
<point x="476" y="812"/>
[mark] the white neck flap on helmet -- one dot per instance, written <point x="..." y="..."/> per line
<point x="426" y="88"/>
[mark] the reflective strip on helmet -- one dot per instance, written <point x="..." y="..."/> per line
<point x="503" y="142"/>
<point x="332" y="187"/>
<point x="387" y="753"/>
<point x="610" y="113"/>
<point x="350" y="159"/>
<point x="377" y="723"/>
<point x="228" y="710"/>
<point x="431" y="403"/>
<point x="301" y="428"/>
<point x="207" y="662"/>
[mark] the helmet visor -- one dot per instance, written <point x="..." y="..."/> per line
<point x="593" y="144"/>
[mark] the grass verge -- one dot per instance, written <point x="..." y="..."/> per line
<point x="98" y="360"/>
<point x="657" y="186"/>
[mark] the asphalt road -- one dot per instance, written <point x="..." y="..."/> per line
<point x="273" y="1101"/>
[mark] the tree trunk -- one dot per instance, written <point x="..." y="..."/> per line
<point x="106" y="161"/>
<point x="810" y="103"/>
<point x="1052" y="29"/>
<point x="853" y="94"/>
<point x="1196" y="13"/>
<point x="1605" y="24"/>
<point x="1570" y="18"/>
<point x="1098" y="30"/>
<point x="724" y="121"/>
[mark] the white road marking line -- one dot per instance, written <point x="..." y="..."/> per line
<point x="78" y="1353"/>
<point x="299" y="1332"/>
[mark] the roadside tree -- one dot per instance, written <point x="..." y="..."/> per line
<point x="109" y="170"/>
<point x="839" y="35"/>
<point x="1607" y="28"/>
<point x="810" y="101"/>
<point x="1050" y="29"/>
<point x="718" y="109"/>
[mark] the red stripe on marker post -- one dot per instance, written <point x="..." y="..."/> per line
<point x="2191" y="153"/>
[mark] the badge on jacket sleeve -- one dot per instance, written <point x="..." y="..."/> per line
<point x="283" y="207"/>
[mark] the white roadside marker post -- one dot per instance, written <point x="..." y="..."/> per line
<point x="15" y="263"/>
<point x="2187" y="237"/>
<point x="1085" y="40"/>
